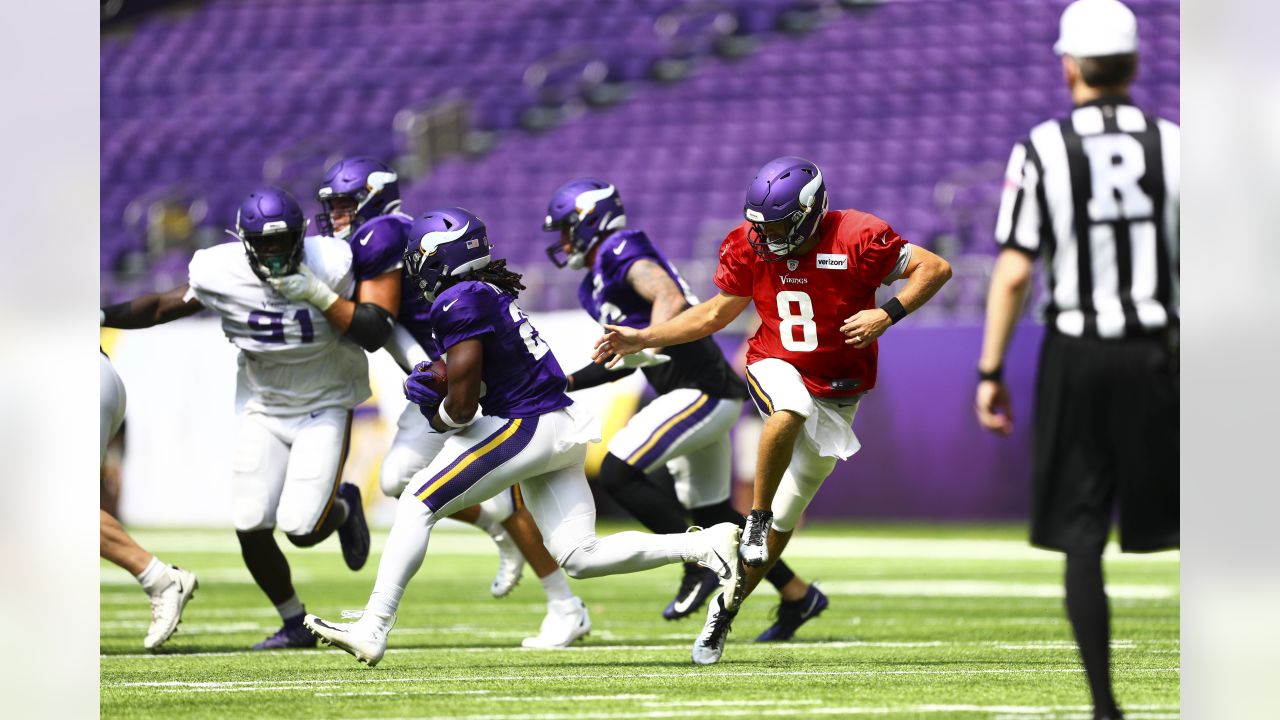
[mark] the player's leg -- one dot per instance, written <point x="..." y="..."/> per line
<point x="257" y="478"/>
<point x="169" y="587"/>
<point x="485" y="457"/>
<point x="645" y="443"/>
<point x="779" y="393"/>
<point x="414" y="447"/>
<point x="812" y="460"/>
<point x="315" y="502"/>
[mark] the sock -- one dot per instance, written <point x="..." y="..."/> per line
<point x="656" y="509"/>
<point x="1091" y="620"/>
<point x="706" y="516"/>
<point x="630" y="551"/>
<point x="291" y="609"/>
<point x="556" y="586"/>
<point x="405" y="549"/>
<point x="155" y="576"/>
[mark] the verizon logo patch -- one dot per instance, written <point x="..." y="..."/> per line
<point x="833" y="262"/>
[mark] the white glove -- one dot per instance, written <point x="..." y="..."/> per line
<point x="643" y="358"/>
<point x="304" y="286"/>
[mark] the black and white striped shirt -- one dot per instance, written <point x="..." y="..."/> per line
<point x="1096" y="195"/>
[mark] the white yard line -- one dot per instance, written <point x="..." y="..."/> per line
<point x="1033" y="645"/>
<point x="784" y="708"/>
<point x="697" y="676"/>
<point x="984" y="588"/>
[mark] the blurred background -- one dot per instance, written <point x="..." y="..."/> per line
<point x="910" y="107"/>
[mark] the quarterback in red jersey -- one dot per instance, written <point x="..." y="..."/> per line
<point x="812" y="274"/>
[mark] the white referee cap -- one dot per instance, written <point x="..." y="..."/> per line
<point x="1094" y="28"/>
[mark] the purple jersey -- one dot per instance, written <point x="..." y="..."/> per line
<point x="609" y="298"/>
<point x="378" y="247"/>
<point x="605" y="293"/>
<point x="521" y="377"/>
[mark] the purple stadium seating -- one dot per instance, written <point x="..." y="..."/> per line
<point x="890" y="99"/>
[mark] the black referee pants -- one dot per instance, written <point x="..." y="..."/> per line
<point x="1106" y="432"/>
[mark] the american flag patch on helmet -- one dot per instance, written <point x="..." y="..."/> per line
<point x="472" y="244"/>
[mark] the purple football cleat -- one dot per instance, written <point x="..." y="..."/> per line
<point x="293" y="635"/>
<point x="354" y="532"/>
<point x="789" y="616"/>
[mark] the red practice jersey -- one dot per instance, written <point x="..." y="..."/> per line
<point x="803" y="301"/>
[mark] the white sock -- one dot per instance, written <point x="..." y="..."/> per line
<point x="628" y="552"/>
<point x="155" y="576"/>
<point x="495" y="510"/>
<point x="290" y="608"/>
<point x="556" y="586"/>
<point x="402" y="556"/>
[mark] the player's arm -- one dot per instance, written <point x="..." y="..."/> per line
<point x="593" y="374"/>
<point x="151" y="309"/>
<point x="652" y="283"/>
<point x="925" y="273"/>
<point x="694" y="323"/>
<point x="1010" y="285"/>
<point x="464" y="363"/>
<point x="368" y="320"/>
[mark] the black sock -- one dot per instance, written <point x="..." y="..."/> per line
<point x="656" y="509"/>
<point x="709" y="515"/>
<point x="266" y="564"/>
<point x="1091" y="620"/>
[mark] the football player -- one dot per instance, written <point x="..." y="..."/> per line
<point x="361" y="201"/>
<point x="813" y="276"/>
<point x="298" y="380"/>
<point x="530" y="433"/>
<point x="686" y="428"/>
<point x="169" y="587"/>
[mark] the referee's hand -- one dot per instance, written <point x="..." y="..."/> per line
<point x="995" y="412"/>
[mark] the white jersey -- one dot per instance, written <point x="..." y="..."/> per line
<point x="291" y="360"/>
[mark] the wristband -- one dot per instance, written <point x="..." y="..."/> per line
<point x="996" y="375"/>
<point x="444" y="418"/>
<point x="895" y="310"/>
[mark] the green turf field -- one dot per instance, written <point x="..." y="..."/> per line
<point x="925" y="621"/>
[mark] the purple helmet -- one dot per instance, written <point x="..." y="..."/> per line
<point x="368" y="182"/>
<point x="591" y="209"/>
<point x="271" y="226"/>
<point x="785" y="203"/>
<point x="443" y="246"/>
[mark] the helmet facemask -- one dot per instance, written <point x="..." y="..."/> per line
<point x="273" y="253"/>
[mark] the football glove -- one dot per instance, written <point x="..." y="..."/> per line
<point x="304" y="286"/>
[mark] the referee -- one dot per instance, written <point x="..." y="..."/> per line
<point x="1095" y="196"/>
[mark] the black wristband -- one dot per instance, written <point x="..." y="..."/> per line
<point x="996" y="375"/>
<point x="895" y="310"/>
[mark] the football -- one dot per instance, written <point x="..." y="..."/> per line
<point x="441" y="383"/>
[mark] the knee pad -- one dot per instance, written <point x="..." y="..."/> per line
<point x="396" y="473"/>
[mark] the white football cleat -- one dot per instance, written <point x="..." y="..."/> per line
<point x="167" y="605"/>
<point x="755" y="538"/>
<point x="709" y="646"/>
<point x="366" y="638"/>
<point x="719" y="552"/>
<point x="566" y="621"/>
<point x="510" y="562"/>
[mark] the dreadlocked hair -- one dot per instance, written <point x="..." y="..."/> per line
<point x="497" y="274"/>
